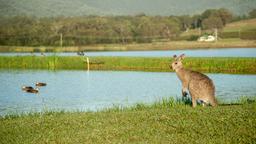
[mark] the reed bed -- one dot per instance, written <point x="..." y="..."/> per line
<point x="202" y="64"/>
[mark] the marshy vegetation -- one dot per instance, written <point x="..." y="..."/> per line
<point x="203" y="64"/>
<point x="166" y="121"/>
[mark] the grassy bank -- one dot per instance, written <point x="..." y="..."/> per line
<point x="173" y="45"/>
<point x="209" y="65"/>
<point x="164" y="122"/>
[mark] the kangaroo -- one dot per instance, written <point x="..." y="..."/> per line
<point x="200" y="86"/>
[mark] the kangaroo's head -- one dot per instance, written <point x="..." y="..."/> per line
<point x="177" y="63"/>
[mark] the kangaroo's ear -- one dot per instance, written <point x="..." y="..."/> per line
<point x="182" y="56"/>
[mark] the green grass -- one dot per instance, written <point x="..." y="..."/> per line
<point x="166" y="121"/>
<point x="208" y="65"/>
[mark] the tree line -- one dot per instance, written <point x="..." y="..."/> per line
<point x="84" y="30"/>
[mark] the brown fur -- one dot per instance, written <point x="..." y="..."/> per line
<point x="200" y="86"/>
<point x="40" y="84"/>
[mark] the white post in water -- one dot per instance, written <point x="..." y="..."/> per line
<point x="88" y="64"/>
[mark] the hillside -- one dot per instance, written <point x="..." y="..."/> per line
<point x="47" y="8"/>
<point x="244" y="29"/>
<point x="244" y="25"/>
<point x="52" y="8"/>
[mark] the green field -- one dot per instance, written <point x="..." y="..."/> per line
<point x="209" y="65"/>
<point x="233" y="32"/>
<point x="244" y="25"/>
<point x="163" y="122"/>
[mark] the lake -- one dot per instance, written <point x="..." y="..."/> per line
<point x="223" y="52"/>
<point x="94" y="90"/>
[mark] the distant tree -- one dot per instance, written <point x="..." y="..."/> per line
<point x="208" y="13"/>
<point x="225" y="15"/>
<point x="56" y="26"/>
<point x="166" y="27"/>
<point x="212" y="22"/>
<point x="144" y="28"/>
<point x="196" y="21"/>
<point x="216" y="18"/>
<point x="122" y="28"/>
<point x="186" y="22"/>
<point x="252" y="14"/>
<point x="84" y="30"/>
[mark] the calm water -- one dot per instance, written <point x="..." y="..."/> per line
<point x="228" y="52"/>
<point x="80" y="90"/>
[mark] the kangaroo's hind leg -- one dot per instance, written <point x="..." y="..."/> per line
<point x="193" y="93"/>
<point x="213" y="102"/>
<point x="193" y="98"/>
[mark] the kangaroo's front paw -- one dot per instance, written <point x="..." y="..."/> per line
<point x="184" y="93"/>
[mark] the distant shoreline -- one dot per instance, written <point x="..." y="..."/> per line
<point x="173" y="45"/>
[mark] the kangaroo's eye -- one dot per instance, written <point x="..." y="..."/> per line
<point x="176" y="63"/>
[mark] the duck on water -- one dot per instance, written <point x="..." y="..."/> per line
<point x="40" y="84"/>
<point x="30" y="89"/>
<point x="25" y="88"/>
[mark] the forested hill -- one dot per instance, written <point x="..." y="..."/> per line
<point x="52" y="8"/>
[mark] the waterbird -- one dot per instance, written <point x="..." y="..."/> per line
<point x="36" y="90"/>
<point x="42" y="54"/>
<point x="24" y="88"/>
<point x="80" y="53"/>
<point x="40" y="84"/>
